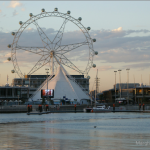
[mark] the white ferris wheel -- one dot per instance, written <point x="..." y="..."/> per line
<point x="53" y="51"/>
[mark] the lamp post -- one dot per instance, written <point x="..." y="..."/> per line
<point x="47" y="84"/>
<point x="120" y="82"/>
<point x="115" y="85"/>
<point x="127" y="84"/>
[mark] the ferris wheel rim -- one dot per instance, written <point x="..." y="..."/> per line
<point x="55" y="14"/>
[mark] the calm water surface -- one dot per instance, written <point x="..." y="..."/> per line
<point x="73" y="131"/>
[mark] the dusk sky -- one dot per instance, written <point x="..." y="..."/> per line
<point x="121" y="29"/>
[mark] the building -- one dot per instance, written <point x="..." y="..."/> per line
<point x="124" y="85"/>
<point x="15" y="92"/>
<point x="139" y="94"/>
<point x="23" y="88"/>
<point x="34" y="81"/>
<point x="142" y="94"/>
<point x="64" y="86"/>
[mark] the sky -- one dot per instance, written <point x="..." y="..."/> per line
<point x="121" y="30"/>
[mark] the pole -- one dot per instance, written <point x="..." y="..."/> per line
<point x="96" y="86"/>
<point x="95" y="98"/>
<point x="47" y="87"/>
<point x="135" y="88"/>
<point x="127" y="85"/>
<point x="7" y="79"/>
<point x="120" y="82"/>
<point x="47" y="84"/>
<point x="29" y="82"/>
<point x="91" y="98"/>
<point x="149" y="79"/>
<point x="115" y="85"/>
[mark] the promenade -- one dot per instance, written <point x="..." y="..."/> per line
<point x="68" y="108"/>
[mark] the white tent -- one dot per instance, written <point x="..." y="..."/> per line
<point x="63" y="86"/>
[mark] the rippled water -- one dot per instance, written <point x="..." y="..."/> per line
<point x="71" y="131"/>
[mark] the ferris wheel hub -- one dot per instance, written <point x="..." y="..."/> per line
<point x="51" y="53"/>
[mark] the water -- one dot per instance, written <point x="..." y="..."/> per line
<point x="73" y="131"/>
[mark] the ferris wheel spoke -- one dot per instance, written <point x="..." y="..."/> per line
<point x="67" y="48"/>
<point x="68" y="63"/>
<point x="43" y="61"/>
<point x="58" y="38"/>
<point x="46" y="41"/>
<point x="35" y="50"/>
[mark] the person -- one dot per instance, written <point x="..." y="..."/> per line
<point x="47" y="107"/>
<point x="139" y="106"/>
<point x="28" y="108"/>
<point x="143" y="106"/>
<point x="40" y="108"/>
<point x="113" y="107"/>
<point x="75" y="107"/>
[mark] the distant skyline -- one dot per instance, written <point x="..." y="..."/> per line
<point x="122" y="31"/>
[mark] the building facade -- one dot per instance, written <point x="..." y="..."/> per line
<point x="125" y="85"/>
<point x="23" y="88"/>
<point x="140" y="94"/>
<point x="34" y="81"/>
<point x="15" y="93"/>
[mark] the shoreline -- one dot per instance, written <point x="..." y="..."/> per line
<point x="68" y="109"/>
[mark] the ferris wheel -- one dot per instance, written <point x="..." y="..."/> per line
<point x="53" y="51"/>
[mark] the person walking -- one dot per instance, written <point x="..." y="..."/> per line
<point x="75" y="108"/>
<point x="143" y="106"/>
<point x="139" y="106"/>
<point x="28" y="108"/>
<point x="113" y="107"/>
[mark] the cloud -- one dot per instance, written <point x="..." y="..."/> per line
<point x="2" y="16"/>
<point x="14" y="4"/>
<point x="5" y="61"/>
<point x="0" y="10"/>
<point x="15" y="13"/>
<point x="117" y="30"/>
<point x="23" y="9"/>
<point x="141" y="66"/>
<point x="113" y="46"/>
<point x="30" y="29"/>
<point x="104" y="68"/>
<point x="5" y="56"/>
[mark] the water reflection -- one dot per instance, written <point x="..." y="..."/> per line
<point x="74" y="131"/>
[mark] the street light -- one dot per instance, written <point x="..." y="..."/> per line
<point x="120" y="82"/>
<point x="47" y="83"/>
<point x="115" y="85"/>
<point x="127" y="84"/>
